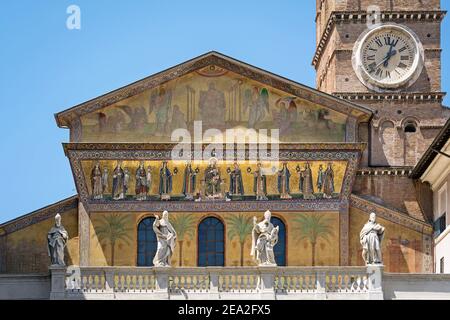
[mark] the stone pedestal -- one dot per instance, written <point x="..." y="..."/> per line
<point x="375" y="284"/>
<point x="162" y="283"/>
<point x="266" y="282"/>
<point x="58" y="282"/>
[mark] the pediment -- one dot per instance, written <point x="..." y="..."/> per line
<point x="222" y="93"/>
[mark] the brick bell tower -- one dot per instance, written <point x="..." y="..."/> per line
<point x="385" y="55"/>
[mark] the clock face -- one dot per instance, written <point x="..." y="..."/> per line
<point x="388" y="56"/>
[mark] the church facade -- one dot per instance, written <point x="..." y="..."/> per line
<point x="343" y="150"/>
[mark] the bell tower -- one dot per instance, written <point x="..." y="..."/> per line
<point x="385" y="55"/>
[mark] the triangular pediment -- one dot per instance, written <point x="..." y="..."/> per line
<point x="222" y="93"/>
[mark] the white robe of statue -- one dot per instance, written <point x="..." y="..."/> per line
<point x="167" y="237"/>
<point x="264" y="238"/>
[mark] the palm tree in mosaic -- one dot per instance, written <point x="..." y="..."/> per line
<point x="241" y="227"/>
<point x="112" y="229"/>
<point x="184" y="225"/>
<point x="313" y="227"/>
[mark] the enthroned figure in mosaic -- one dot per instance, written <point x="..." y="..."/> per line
<point x="264" y="238"/>
<point x="306" y="183"/>
<point x="189" y="181"/>
<point x="283" y="182"/>
<point x="118" y="188"/>
<point x="167" y="238"/>
<point x="165" y="182"/>
<point x="57" y="239"/>
<point x="371" y="236"/>
<point x="97" y="182"/>
<point x="141" y="187"/>
<point x="213" y="181"/>
<point x="236" y="184"/>
<point x="328" y="182"/>
<point x="259" y="183"/>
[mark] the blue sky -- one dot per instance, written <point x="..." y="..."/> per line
<point x="46" y="68"/>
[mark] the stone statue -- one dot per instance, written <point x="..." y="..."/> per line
<point x="118" y="189"/>
<point x="141" y="186"/>
<point x="165" y="182"/>
<point x="213" y="182"/>
<point x="189" y="182"/>
<point x="370" y="237"/>
<point x="57" y="239"/>
<point x="306" y="183"/>
<point x="236" y="184"/>
<point x="320" y="175"/>
<point x="328" y="182"/>
<point x="283" y="182"/>
<point x="97" y="182"/>
<point x="167" y="238"/>
<point x="259" y="183"/>
<point x="264" y="238"/>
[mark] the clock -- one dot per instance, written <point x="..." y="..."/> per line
<point x="388" y="57"/>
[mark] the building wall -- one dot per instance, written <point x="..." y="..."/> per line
<point x="442" y="241"/>
<point x="299" y="250"/>
<point x="402" y="248"/>
<point x="26" y="249"/>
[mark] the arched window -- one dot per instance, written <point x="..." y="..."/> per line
<point x="211" y="246"/>
<point x="147" y="243"/>
<point x="280" y="247"/>
<point x="410" y="127"/>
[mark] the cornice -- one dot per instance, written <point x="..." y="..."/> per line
<point x="400" y="97"/>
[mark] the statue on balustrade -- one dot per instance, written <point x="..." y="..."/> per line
<point x="118" y="189"/>
<point x="97" y="182"/>
<point x="213" y="181"/>
<point x="167" y="238"/>
<point x="57" y="239"/>
<point x="371" y="237"/>
<point x="165" y="182"/>
<point x="189" y="182"/>
<point x="283" y="182"/>
<point x="259" y="183"/>
<point x="328" y="182"/>
<point x="306" y="183"/>
<point x="264" y="238"/>
<point x="141" y="187"/>
<point x="236" y="184"/>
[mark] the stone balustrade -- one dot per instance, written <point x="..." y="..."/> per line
<point x="217" y="283"/>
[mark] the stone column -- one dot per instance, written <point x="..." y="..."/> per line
<point x="84" y="225"/>
<point x="58" y="282"/>
<point x="375" y="284"/>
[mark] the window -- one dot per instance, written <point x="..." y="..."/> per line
<point x="410" y="127"/>
<point x="439" y="225"/>
<point x="147" y="242"/>
<point x="441" y="265"/>
<point x="211" y="245"/>
<point x="280" y="247"/>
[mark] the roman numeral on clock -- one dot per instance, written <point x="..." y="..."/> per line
<point x="402" y="65"/>
<point x="390" y="42"/>
<point x="402" y="49"/>
<point x="404" y="58"/>
<point x="379" y="43"/>
<point x="379" y="72"/>
<point x="371" y="58"/>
